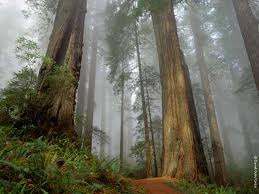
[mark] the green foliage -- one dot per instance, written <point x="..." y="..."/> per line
<point x="27" y="51"/>
<point x="60" y="79"/>
<point x="19" y="93"/>
<point x="193" y="188"/>
<point x="99" y="136"/>
<point x="120" y="40"/>
<point x="138" y="151"/>
<point x="47" y="61"/>
<point x="241" y="176"/>
<point x="56" y="166"/>
<point x="20" y="90"/>
<point x="149" y="5"/>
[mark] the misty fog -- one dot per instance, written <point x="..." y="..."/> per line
<point x="229" y="74"/>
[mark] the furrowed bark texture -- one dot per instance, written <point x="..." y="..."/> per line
<point x="183" y="155"/>
<point x="220" y="174"/>
<point x="249" y="26"/>
<point x="56" y="111"/>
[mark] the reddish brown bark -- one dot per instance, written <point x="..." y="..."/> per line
<point x="183" y="156"/>
<point x="56" y="112"/>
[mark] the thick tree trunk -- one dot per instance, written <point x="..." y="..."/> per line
<point x="122" y="125"/>
<point x="144" y="110"/>
<point x="152" y="133"/>
<point x="56" y="111"/>
<point x="220" y="175"/>
<point x="88" y="135"/>
<point x="249" y="26"/>
<point x="183" y="155"/>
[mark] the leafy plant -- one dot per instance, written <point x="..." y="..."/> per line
<point x="27" y="51"/>
<point x="56" y="166"/>
<point x="19" y="93"/>
<point x="193" y="188"/>
<point x="21" y="89"/>
<point x="60" y="79"/>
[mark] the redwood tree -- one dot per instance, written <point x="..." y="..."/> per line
<point x="56" y="108"/>
<point x="183" y="155"/>
<point x="220" y="173"/>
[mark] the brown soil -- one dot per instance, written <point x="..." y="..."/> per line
<point x="156" y="185"/>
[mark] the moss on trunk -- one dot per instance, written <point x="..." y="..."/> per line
<point x="55" y="111"/>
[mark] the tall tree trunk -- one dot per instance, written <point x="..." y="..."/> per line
<point x="220" y="175"/>
<point x="103" y="118"/>
<point x="249" y="26"/>
<point x="82" y="91"/>
<point x="144" y="109"/>
<point x="183" y="155"/>
<point x="122" y="124"/>
<point x="127" y="129"/>
<point x="158" y="151"/>
<point x="56" y="111"/>
<point x="152" y="133"/>
<point x="88" y="135"/>
<point x="111" y="116"/>
<point x="129" y="132"/>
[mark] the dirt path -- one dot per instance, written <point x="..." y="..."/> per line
<point x="156" y="185"/>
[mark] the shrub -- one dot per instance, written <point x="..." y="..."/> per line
<point x="188" y="187"/>
<point x="56" y="166"/>
<point x="18" y="94"/>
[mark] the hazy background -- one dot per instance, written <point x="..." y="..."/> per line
<point x="225" y="55"/>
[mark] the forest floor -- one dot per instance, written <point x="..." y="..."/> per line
<point x="156" y="185"/>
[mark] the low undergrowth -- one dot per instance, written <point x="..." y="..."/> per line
<point x="188" y="187"/>
<point x="55" y="166"/>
